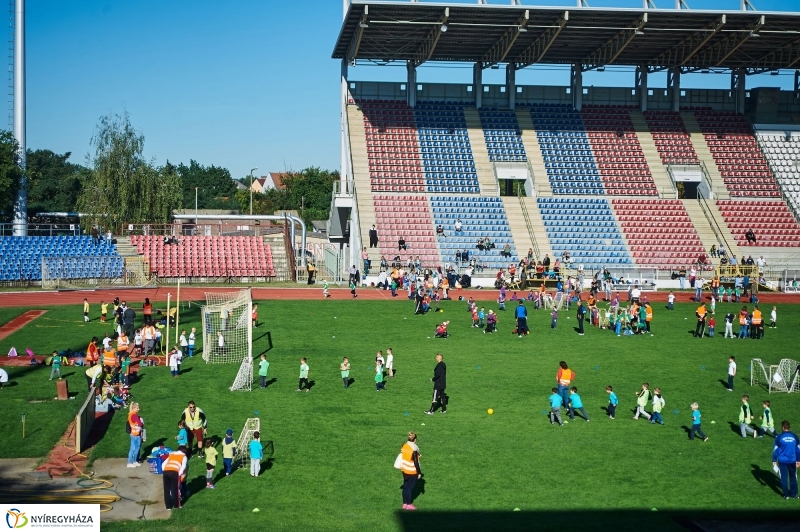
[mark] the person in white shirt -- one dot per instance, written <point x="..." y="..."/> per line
<point x="731" y="372"/>
<point x="458" y="226"/>
<point x="220" y="343"/>
<point x="379" y="359"/>
<point x="137" y="342"/>
<point x="635" y="293"/>
<point x="107" y="343"/>
<point x="184" y="343"/>
<point x="671" y="301"/>
<point x="390" y="362"/>
<point x="760" y="262"/>
<point x="174" y="361"/>
<point x="773" y="318"/>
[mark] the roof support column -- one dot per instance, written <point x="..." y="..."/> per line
<point x="674" y="85"/>
<point x="345" y="171"/>
<point x="797" y="83"/>
<point x="641" y="86"/>
<point x="576" y="86"/>
<point x="411" y="83"/>
<point x="738" y="77"/>
<point x="511" y="85"/>
<point x="477" y="83"/>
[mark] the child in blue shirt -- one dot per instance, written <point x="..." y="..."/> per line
<point x="555" y="407"/>
<point x="696" y="421"/>
<point x="501" y="302"/>
<point x="481" y="318"/>
<point x="256" y="454"/>
<point x="575" y="403"/>
<point x="612" y="402"/>
<point x="183" y="435"/>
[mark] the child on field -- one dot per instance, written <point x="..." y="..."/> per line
<point x="325" y="292"/>
<point x="612" y="402"/>
<point x="353" y="288"/>
<point x="344" y="367"/>
<point x="554" y="319"/>
<point x="767" y="422"/>
<point x="729" y="317"/>
<point x="183" y="434"/>
<point x="729" y="293"/>
<point x="184" y="343"/>
<point x="192" y="339"/>
<point x="303" y="377"/>
<point x="696" y="423"/>
<point x="85" y="310"/>
<point x="211" y="461"/>
<point x="501" y="301"/>
<point x="125" y="369"/>
<point x="745" y="418"/>
<point x="256" y="453"/>
<point x="773" y="317"/>
<point x="712" y="323"/>
<point x="441" y="330"/>
<point x="263" y="370"/>
<point x="390" y="362"/>
<point x="481" y="318"/>
<point x="379" y="384"/>
<point x="174" y="357"/>
<point x="491" y="322"/>
<point x="475" y="319"/>
<point x="103" y="311"/>
<point x="713" y="305"/>
<point x="575" y="403"/>
<point x="228" y="450"/>
<point x="642" y="398"/>
<point x="731" y="372"/>
<point x="555" y="407"/>
<point x="658" y="404"/>
<point x="56" y="365"/>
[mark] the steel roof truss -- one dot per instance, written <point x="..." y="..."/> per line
<point x="499" y="50"/>
<point x="716" y="55"/>
<point x="355" y="42"/>
<point x="535" y="52"/>
<point x="425" y="51"/>
<point x="609" y="52"/>
<point x="786" y="56"/>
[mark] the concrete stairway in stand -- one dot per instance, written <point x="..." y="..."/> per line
<point x="541" y="183"/>
<point x="364" y="200"/>
<point x="651" y="155"/>
<point x="704" y="229"/>
<point x="480" y="154"/>
<point x="704" y="154"/>
<point x="537" y="224"/>
<point x="125" y="248"/>
<point x="280" y="258"/>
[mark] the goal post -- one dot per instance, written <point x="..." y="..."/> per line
<point x="227" y="315"/>
<point x="783" y="377"/>
<point x="244" y="378"/>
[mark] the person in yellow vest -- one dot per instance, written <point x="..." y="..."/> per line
<point x="110" y="358"/>
<point x="196" y="425"/>
<point x="135" y="427"/>
<point x="648" y="316"/>
<point x="715" y="287"/>
<point x="174" y="474"/>
<point x="149" y="334"/>
<point x="93" y="374"/>
<point x="757" y="324"/>
<point x="410" y="468"/>
<point x="701" y="312"/>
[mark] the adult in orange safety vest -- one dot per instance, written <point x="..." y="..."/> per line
<point x="756" y="324"/>
<point x="564" y="377"/>
<point x="135" y="428"/>
<point x="701" y="312"/>
<point x="409" y="465"/>
<point x="174" y="474"/>
<point x="648" y="315"/>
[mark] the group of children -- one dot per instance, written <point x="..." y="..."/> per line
<point x="574" y="402"/>
<point x="229" y="450"/>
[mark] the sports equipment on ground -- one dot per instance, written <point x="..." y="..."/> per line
<point x="490" y="411"/>
<point x="229" y="315"/>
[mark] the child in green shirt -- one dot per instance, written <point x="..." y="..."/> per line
<point x="303" y="375"/>
<point x="228" y="450"/>
<point x="263" y="368"/>
<point x="379" y="384"/>
<point x="56" y="365"/>
<point x="344" y="367"/>
<point x="211" y="461"/>
<point x="125" y="370"/>
<point x="325" y="292"/>
<point x="658" y="404"/>
<point x="767" y="422"/>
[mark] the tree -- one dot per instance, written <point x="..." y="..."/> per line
<point x="122" y="187"/>
<point x="10" y="172"/>
<point x="215" y="187"/>
<point x="54" y="184"/>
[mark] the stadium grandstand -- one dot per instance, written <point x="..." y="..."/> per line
<point x="643" y="180"/>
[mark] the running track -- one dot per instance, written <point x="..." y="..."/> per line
<point x="47" y="299"/>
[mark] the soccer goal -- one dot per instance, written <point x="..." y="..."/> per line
<point x="227" y="315"/>
<point x="244" y="378"/>
<point x="253" y="424"/>
<point x="788" y="371"/>
<point x="777" y="378"/>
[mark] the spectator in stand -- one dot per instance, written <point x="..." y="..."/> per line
<point x="401" y="244"/>
<point x="507" y="250"/>
<point x="557" y="266"/>
<point x="530" y="255"/>
<point x="539" y="270"/>
<point x="458" y="227"/>
<point x="750" y="236"/>
<point x="465" y="256"/>
<point x="458" y="255"/>
<point x="488" y="243"/>
<point x="733" y="260"/>
<point x="384" y="264"/>
<point x="750" y="261"/>
<point x="480" y="245"/>
<point x="439" y="230"/>
<point x="365" y="258"/>
<point x="692" y="276"/>
<point x="761" y="262"/>
<point x="546" y="263"/>
<point x="721" y="250"/>
<point x="713" y="251"/>
<point x="373" y="237"/>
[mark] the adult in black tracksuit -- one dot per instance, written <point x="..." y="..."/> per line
<point x="439" y="384"/>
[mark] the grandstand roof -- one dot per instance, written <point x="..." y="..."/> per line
<point x="592" y="37"/>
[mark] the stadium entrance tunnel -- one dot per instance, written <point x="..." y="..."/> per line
<point x="652" y="520"/>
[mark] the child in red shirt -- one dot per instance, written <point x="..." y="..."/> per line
<point x="711" y="324"/>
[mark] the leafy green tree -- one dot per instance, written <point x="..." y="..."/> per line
<point x="54" y="183"/>
<point x="215" y="187"/>
<point x="10" y="173"/>
<point x="122" y="187"/>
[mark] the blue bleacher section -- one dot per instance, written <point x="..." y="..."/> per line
<point x="480" y="218"/>
<point x="586" y="228"/>
<point x="567" y="154"/>
<point x="21" y="257"/>
<point x="445" y="150"/>
<point x="503" y="135"/>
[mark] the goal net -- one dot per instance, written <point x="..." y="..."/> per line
<point x="783" y="377"/>
<point x="244" y="378"/>
<point x="227" y="327"/>
<point x="788" y="370"/>
<point x="253" y="424"/>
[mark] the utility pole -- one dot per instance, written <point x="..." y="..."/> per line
<point x="251" y="190"/>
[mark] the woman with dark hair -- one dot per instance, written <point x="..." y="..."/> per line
<point x="147" y="310"/>
<point x="564" y="377"/>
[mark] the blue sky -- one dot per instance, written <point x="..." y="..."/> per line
<point x="239" y="84"/>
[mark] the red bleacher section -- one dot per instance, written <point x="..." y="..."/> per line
<point x="409" y="217"/>
<point x="620" y="160"/>
<point x="672" y="141"/>
<point x="771" y="222"/>
<point x="735" y="150"/>
<point x="392" y="147"/>
<point x="659" y="232"/>
<point x="207" y="256"/>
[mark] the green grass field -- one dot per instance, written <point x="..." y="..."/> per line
<point x="334" y="448"/>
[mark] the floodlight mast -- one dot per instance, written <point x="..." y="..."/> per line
<point x="21" y="201"/>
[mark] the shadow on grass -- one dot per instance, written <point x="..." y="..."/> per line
<point x="269" y="382"/>
<point x="617" y="520"/>
<point x="767" y="477"/>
